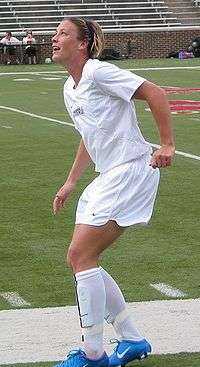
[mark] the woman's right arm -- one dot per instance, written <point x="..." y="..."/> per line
<point x="81" y="162"/>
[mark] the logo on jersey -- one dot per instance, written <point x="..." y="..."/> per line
<point x="78" y="111"/>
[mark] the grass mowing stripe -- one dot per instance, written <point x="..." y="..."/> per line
<point x="177" y="360"/>
<point x="168" y="290"/>
<point x="187" y="155"/>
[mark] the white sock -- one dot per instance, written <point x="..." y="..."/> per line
<point x="116" y="312"/>
<point x="91" y="298"/>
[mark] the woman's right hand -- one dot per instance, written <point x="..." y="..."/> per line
<point x="62" y="196"/>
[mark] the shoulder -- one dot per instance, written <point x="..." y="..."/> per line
<point x="106" y="71"/>
<point x="94" y="65"/>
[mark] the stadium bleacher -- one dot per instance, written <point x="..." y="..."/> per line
<point x="44" y="15"/>
<point x="186" y="11"/>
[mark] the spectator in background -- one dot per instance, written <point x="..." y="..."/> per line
<point x="30" y="49"/>
<point x="10" y="50"/>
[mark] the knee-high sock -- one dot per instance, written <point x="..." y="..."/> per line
<point x="116" y="312"/>
<point x="91" y="297"/>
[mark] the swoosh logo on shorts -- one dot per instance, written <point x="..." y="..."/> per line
<point x="121" y="355"/>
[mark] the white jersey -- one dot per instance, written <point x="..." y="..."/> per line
<point x="28" y="40"/>
<point x="103" y="112"/>
<point x="10" y="41"/>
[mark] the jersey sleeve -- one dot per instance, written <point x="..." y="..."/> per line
<point x="117" y="82"/>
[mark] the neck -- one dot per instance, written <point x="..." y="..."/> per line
<point x="75" y="68"/>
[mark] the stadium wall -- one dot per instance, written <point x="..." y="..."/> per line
<point x="146" y="43"/>
<point x="142" y="44"/>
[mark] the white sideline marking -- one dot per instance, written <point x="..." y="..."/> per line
<point x="37" y="116"/>
<point x="6" y="127"/>
<point x="33" y="72"/>
<point x="168" y="290"/>
<point x="167" y="68"/>
<point x="47" y="334"/>
<point x="178" y="152"/>
<point x="14" y="299"/>
<point x="132" y="69"/>
<point x="23" y="80"/>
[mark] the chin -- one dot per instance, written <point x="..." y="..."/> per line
<point x="56" y="59"/>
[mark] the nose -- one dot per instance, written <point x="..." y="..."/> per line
<point x="54" y="38"/>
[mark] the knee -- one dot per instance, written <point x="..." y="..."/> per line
<point x="79" y="259"/>
<point x="73" y="257"/>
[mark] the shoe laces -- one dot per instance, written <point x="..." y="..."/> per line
<point x="115" y="341"/>
<point x="75" y="352"/>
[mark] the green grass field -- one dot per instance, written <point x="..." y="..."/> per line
<point x="36" y="155"/>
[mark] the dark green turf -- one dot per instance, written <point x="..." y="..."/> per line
<point x="177" y="360"/>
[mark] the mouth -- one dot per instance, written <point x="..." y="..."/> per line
<point x="55" y="48"/>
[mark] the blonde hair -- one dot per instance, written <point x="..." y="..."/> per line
<point x="92" y="32"/>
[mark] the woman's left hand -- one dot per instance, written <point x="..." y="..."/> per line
<point x="163" y="156"/>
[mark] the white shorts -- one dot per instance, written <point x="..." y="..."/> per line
<point x="125" y="194"/>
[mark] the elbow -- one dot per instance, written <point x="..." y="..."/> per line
<point x="157" y="95"/>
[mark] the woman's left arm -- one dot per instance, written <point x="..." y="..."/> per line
<point x="158" y="103"/>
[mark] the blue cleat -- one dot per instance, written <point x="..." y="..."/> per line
<point x="128" y="350"/>
<point x="77" y="358"/>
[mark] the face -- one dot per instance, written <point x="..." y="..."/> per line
<point x="65" y="43"/>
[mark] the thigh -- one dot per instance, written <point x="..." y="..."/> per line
<point x="89" y="241"/>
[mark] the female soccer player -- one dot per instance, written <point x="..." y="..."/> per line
<point x="100" y="100"/>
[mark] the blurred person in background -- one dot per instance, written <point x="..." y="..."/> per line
<point x="30" y="50"/>
<point x="10" y="50"/>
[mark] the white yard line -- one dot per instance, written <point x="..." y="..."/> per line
<point x="168" y="291"/>
<point x="47" y="334"/>
<point x="178" y="152"/>
<point x="132" y="69"/>
<point x="14" y="299"/>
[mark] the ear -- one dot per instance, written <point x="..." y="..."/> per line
<point x="83" y="45"/>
